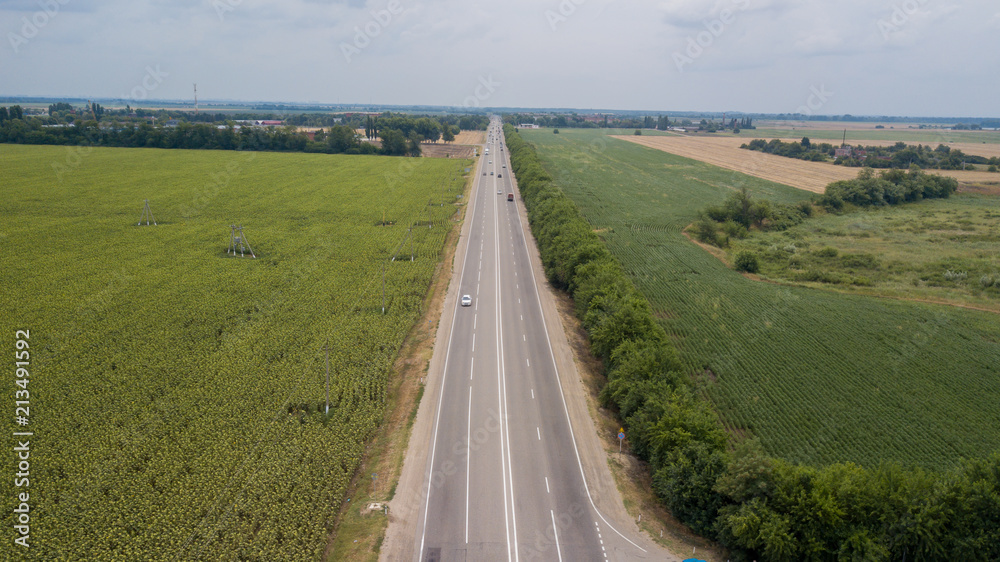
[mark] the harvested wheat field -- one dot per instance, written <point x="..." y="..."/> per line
<point x="445" y="150"/>
<point x="725" y="152"/>
<point x="470" y="137"/>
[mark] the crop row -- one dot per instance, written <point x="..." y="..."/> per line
<point x="808" y="372"/>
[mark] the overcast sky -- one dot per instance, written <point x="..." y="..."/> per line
<point x="864" y="57"/>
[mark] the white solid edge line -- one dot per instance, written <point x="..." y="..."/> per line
<point x="444" y="376"/>
<point x="555" y="533"/>
<point x="468" y="464"/>
<point x="562" y="396"/>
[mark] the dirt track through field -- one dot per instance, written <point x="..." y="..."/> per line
<point x="725" y="152"/>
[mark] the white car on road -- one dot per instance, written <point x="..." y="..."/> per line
<point x="466" y="300"/>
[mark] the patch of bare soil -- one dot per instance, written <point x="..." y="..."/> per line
<point x="446" y="150"/>
<point x="982" y="188"/>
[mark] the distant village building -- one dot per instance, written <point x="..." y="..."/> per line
<point x="527" y="126"/>
<point x="844" y="152"/>
<point x="849" y="152"/>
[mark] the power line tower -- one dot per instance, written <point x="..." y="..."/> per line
<point x="147" y="215"/>
<point x="238" y="241"/>
<point x="196" y="98"/>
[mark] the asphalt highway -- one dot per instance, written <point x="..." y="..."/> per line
<point x="504" y="478"/>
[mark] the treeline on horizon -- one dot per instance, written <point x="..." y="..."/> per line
<point x="900" y="156"/>
<point x="400" y="134"/>
<point x="712" y="122"/>
<point x="575" y="121"/>
<point x="756" y="506"/>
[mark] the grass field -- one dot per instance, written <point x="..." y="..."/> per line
<point x="903" y="252"/>
<point x="176" y="392"/>
<point x="818" y="376"/>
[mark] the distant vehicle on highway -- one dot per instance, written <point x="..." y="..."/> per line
<point x="510" y="196"/>
<point x="499" y="175"/>
<point x="466" y="300"/>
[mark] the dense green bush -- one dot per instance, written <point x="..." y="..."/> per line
<point x="747" y="261"/>
<point x="740" y="212"/>
<point x="827" y="252"/>
<point x="888" y="187"/>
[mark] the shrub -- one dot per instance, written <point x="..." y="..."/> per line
<point x="717" y="214"/>
<point x="956" y="275"/>
<point x="637" y="132"/>
<point x="806" y="208"/>
<point x="555" y="131"/>
<point x="831" y="202"/>
<point x="747" y="261"/>
<point x="734" y="229"/>
<point x="992" y="168"/>
<point x="827" y="252"/>
<point x="705" y="230"/>
<point x="986" y="281"/>
<point x="864" y="261"/>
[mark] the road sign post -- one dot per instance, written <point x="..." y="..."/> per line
<point x="621" y="437"/>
